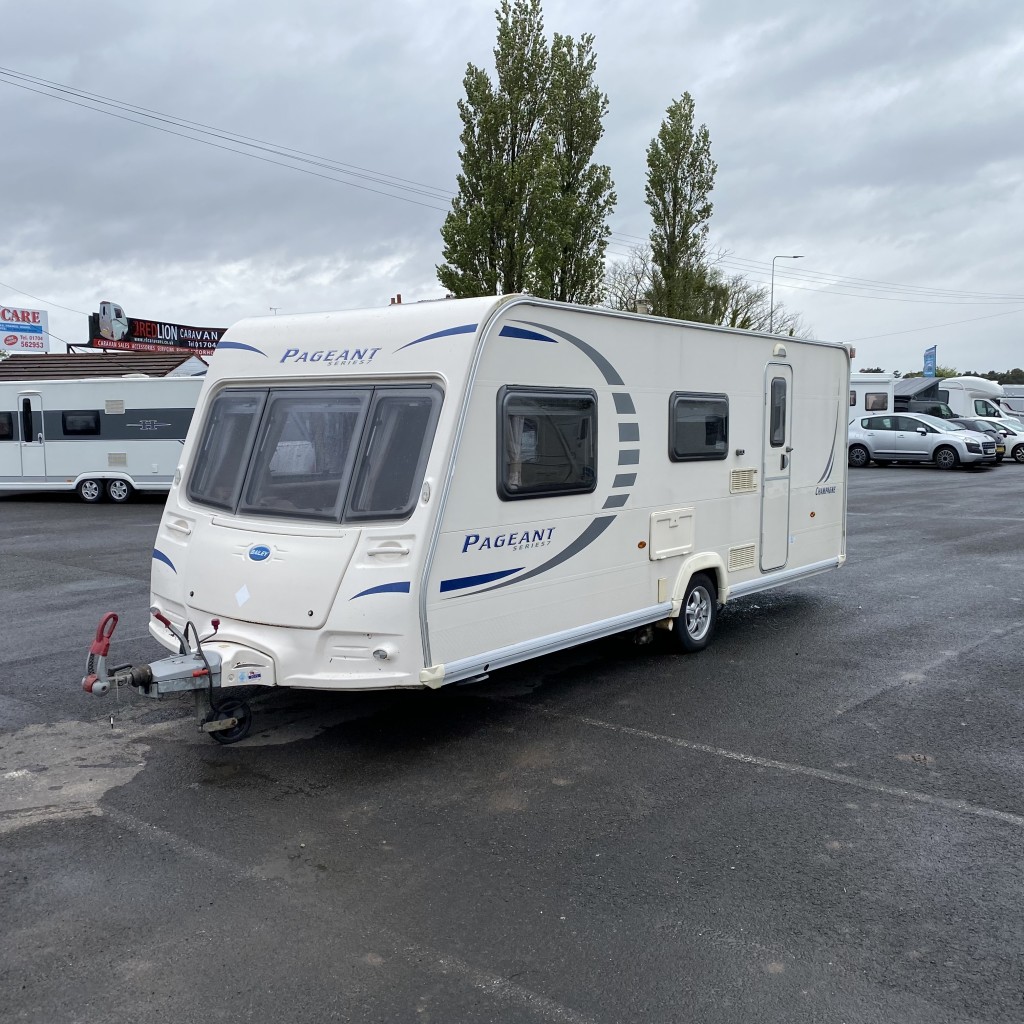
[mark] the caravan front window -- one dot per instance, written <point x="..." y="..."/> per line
<point x="304" y="453"/>
<point x="295" y="452"/>
<point x="224" y="448"/>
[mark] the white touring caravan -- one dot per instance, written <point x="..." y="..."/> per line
<point x="870" y="392"/>
<point x="417" y="495"/>
<point x="102" y="437"/>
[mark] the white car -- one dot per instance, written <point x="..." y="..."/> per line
<point x="1013" y="432"/>
<point x="916" y="437"/>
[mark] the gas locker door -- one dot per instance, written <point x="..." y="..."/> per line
<point x="777" y="453"/>
<point x="33" y="448"/>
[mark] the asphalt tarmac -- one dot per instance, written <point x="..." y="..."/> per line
<point x="820" y="818"/>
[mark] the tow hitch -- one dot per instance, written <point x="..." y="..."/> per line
<point x="194" y="668"/>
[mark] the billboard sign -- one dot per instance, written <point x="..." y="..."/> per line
<point x="929" y="361"/>
<point x="112" y="328"/>
<point x="24" y="330"/>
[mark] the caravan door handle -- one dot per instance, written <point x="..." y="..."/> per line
<point x="784" y="460"/>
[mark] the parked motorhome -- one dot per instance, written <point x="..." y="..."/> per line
<point x="870" y="393"/>
<point x="973" y="396"/>
<point x="418" y="495"/>
<point x="101" y="437"/>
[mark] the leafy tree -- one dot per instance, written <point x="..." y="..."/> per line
<point x="577" y="193"/>
<point x="487" y="233"/>
<point x="871" y="369"/>
<point x="531" y="208"/>
<point x="680" y="177"/>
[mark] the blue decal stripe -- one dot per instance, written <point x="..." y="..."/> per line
<point x="474" y="581"/>
<point x="447" y="333"/>
<point x="385" y="588"/>
<point x="519" y="332"/>
<point x="238" y="345"/>
<point x="161" y="557"/>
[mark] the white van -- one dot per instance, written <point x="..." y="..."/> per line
<point x="973" y="396"/>
<point x="417" y="495"/>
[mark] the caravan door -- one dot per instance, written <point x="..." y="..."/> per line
<point x="33" y="450"/>
<point x="777" y="448"/>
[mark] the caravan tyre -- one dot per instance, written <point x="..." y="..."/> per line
<point x="119" y="491"/>
<point x="695" y="624"/>
<point x="90" y="491"/>
<point x="859" y="456"/>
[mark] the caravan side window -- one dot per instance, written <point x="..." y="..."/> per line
<point x="80" y="423"/>
<point x="698" y="426"/>
<point x="853" y="398"/>
<point x="876" y="401"/>
<point x="6" y="426"/>
<point x="547" y="442"/>
<point x="777" y="433"/>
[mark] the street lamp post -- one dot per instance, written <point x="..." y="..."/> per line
<point x="771" y="301"/>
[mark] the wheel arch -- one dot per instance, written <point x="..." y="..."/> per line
<point x="708" y="562"/>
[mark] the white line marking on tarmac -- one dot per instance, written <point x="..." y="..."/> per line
<point x="822" y="774"/>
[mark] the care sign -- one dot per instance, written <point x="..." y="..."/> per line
<point x="24" y="330"/>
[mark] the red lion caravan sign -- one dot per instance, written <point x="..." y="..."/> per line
<point x="112" y="328"/>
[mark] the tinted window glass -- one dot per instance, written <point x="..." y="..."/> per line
<point x="698" y="427"/>
<point x="876" y="401"/>
<point x="879" y="423"/>
<point x="907" y="423"/>
<point x="27" y="433"/>
<point x="393" y="455"/>
<point x="853" y="398"/>
<point x="548" y="443"/>
<point x="6" y="426"/>
<point x="224" y="448"/>
<point x="294" y="452"/>
<point x="778" y="423"/>
<point x="304" y="453"/>
<point x="80" y="424"/>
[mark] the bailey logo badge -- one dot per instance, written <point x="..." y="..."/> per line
<point x="259" y="552"/>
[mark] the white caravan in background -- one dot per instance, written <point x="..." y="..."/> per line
<point x="102" y="437"/>
<point x="417" y="495"/>
<point x="871" y="393"/>
<point x="1013" y="399"/>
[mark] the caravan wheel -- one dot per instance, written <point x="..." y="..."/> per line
<point x="695" y="624"/>
<point x="90" y="491"/>
<point x="119" y="491"/>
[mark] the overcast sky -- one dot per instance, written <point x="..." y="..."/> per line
<point x="880" y="139"/>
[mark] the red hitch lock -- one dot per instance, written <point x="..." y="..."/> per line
<point x="95" y="680"/>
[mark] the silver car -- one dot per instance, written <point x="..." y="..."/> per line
<point x="916" y="437"/>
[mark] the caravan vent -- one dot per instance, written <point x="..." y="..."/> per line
<point x="741" y="557"/>
<point x="117" y="458"/>
<point x="114" y="407"/>
<point x="742" y="481"/>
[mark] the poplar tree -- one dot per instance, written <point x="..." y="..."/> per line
<point x="487" y="233"/>
<point x="531" y="208"/>
<point x="680" y="177"/>
<point x="578" y="194"/>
